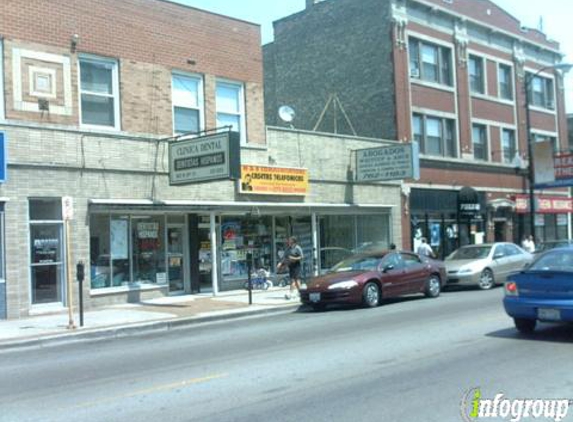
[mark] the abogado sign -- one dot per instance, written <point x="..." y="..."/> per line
<point x="392" y="162"/>
<point x="210" y="157"/>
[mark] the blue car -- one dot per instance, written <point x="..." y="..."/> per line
<point x="542" y="292"/>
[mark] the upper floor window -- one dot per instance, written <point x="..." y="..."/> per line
<point x="435" y="135"/>
<point x="187" y="103"/>
<point x="508" y="146"/>
<point x="99" y="93"/>
<point x="479" y="140"/>
<point x="430" y="62"/>
<point x="230" y="107"/>
<point x="505" y="78"/>
<point x="541" y="92"/>
<point x="476" y="75"/>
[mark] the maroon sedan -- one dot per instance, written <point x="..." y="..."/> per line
<point x="366" y="279"/>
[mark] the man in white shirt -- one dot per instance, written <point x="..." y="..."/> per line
<point x="424" y="249"/>
<point x="528" y="244"/>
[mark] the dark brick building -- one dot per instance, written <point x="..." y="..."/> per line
<point x="449" y="74"/>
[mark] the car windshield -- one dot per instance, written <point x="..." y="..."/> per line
<point x="357" y="263"/>
<point x="472" y="252"/>
<point x="554" y="260"/>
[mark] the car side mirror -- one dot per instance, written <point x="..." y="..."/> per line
<point x="387" y="268"/>
<point x="498" y="255"/>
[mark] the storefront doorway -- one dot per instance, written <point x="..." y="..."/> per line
<point x="46" y="244"/>
<point x="176" y="243"/>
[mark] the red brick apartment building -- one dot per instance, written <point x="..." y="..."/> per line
<point x="450" y="74"/>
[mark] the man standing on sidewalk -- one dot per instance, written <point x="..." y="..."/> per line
<point x="293" y="259"/>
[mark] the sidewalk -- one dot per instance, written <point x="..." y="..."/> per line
<point x="157" y="314"/>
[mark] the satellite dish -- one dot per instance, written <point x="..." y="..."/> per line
<point x="286" y="113"/>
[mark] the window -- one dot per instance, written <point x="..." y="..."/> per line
<point x="187" y="103"/>
<point x="479" y="140"/>
<point x="230" y="108"/>
<point x="430" y="62"/>
<point x="508" y="145"/>
<point x="505" y="78"/>
<point x="476" y="74"/>
<point x="99" y="103"/>
<point x="435" y="135"/>
<point x="541" y="92"/>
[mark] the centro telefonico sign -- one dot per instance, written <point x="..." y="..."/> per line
<point x="206" y="158"/>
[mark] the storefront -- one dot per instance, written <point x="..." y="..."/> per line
<point x="447" y="219"/>
<point x="171" y="251"/>
<point x="552" y="214"/>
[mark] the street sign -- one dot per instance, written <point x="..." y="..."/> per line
<point x="392" y="162"/>
<point x="67" y="208"/>
<point x="3" y="159"/>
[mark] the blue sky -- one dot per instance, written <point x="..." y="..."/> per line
<point x="556" y="16"/>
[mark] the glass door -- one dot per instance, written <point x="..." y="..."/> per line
<point x="47" y="263"/>
<point x="176" y="241"/>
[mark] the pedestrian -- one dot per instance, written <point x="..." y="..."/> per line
<point x="528" y="244"/>
<point x="425" y="250"/>
<point x="293" y="260"/>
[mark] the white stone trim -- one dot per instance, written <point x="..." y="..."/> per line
<point x="21" y="105"/>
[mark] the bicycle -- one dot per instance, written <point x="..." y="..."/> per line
<point x="259" y="280"/>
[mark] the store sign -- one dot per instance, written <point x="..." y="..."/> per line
<point x="562" y="168"/>
<point x="393" y="162"/>
<point x="544" y="204"/>
<point x="207" y="158"/>
<point x="469" y="205"/>
<point x="3" y="160"/>
<point x="267" y="180"/>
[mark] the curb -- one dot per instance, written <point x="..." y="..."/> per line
<point x="139" y="328"/>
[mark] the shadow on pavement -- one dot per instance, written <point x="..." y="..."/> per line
<point x="553" y="333"/>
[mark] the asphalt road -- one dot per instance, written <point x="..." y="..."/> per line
<point x="409" y="360"/>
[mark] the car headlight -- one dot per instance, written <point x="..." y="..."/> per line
<point x="303" y="287"/>
<point x="346" y="285"/>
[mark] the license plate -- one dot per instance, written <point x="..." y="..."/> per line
<point x="549" y="314"/>
<point x="314" y="297"/>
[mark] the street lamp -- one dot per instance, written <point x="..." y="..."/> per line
<point x="564" y="67"/>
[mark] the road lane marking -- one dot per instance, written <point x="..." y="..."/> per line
<point x="151" y="390"/>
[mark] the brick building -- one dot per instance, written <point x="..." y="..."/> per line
<point x="94" y="94"/>
<point x="449" y="74"/>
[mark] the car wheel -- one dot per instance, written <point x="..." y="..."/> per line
<point x="433" y="286"/>
<point x="486" y="280"/>
<point x="371" y="295"/>
<point x="525" y="326"/>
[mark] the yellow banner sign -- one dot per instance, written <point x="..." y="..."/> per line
<point x="266" y="180"/>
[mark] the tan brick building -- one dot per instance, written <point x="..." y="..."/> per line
<point x="93" y="93"/>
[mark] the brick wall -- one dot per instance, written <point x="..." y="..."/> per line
<point x="337" y="48"/>
<point x="150" y="39"/>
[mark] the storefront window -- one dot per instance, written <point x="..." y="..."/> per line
<point x="148" y="249"/>
<point x="241" y="235"/>
<point x="126" y="249"/>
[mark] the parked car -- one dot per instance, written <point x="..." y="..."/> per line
<point x="485" y="265"/>
<point x="542" y="292"/>
<point x="551" y="244"/>
<point x="330" y="256"/>
<point x="367" y="278"/>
